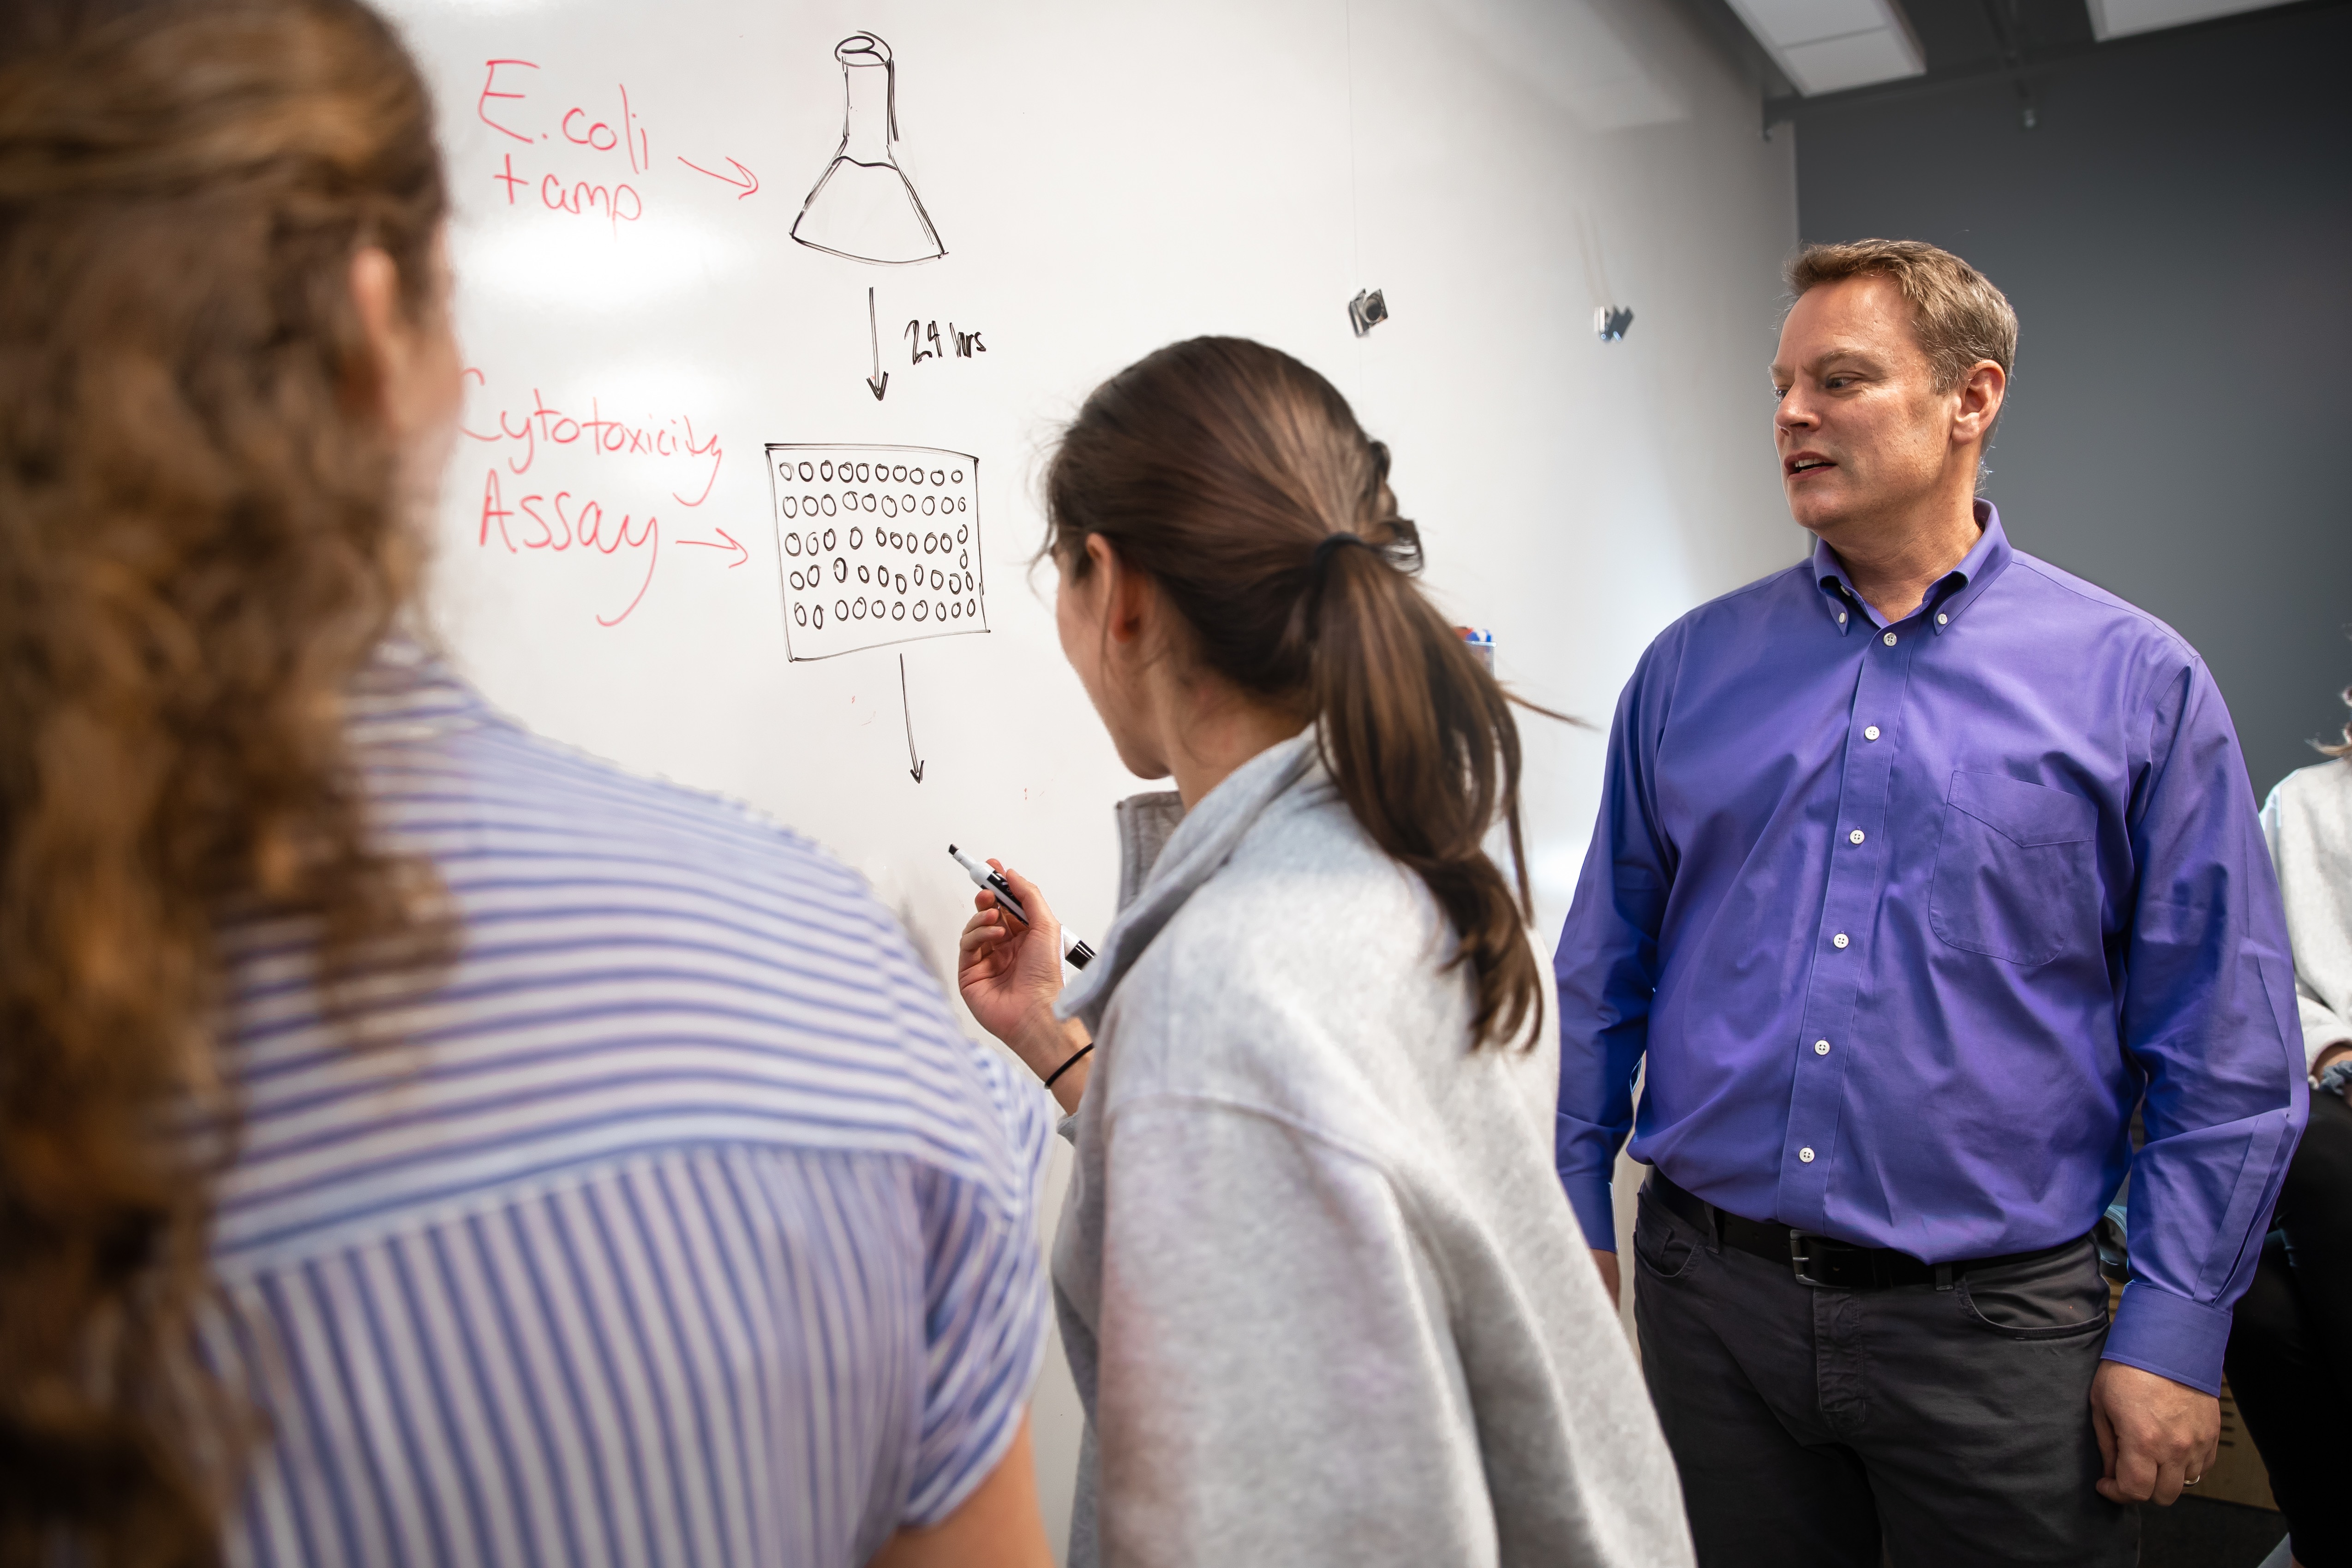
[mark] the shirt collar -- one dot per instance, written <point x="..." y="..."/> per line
<point x="1952" y="594"/>
<point x="405" y="693"/>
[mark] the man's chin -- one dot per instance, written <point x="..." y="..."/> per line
<point x="1816" y="515"/>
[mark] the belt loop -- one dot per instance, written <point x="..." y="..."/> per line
<point x="1943" y="1276"/>
<point x="1715" y="1231"/>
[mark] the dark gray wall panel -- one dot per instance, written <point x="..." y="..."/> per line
<point x="2176" y="235"/>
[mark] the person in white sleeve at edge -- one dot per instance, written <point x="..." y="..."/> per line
<point x="2287" y="1362"/>
<point x="1323" y="1299"/>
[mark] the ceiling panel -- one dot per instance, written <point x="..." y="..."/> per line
<point x="1803" y="21"/>
<point x="1855" y="60"/>
<point x="1826" y="45"/>
<point x="2115" y="18"/>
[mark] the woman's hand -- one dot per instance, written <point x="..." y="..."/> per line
<point x="1010" y="974"/>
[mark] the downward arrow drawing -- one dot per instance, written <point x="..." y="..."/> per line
<point x="749" y="183"/>
<point x="880" y="380"/>
<point x="916" y="770"/>
<point x="741" y="555"/>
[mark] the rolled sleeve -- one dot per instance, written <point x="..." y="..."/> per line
<point x="2323" y="1028"/>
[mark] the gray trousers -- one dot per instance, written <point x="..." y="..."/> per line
<point x="1825" y="1427"/>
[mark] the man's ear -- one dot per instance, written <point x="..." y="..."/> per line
<point x="1982" y="393"/>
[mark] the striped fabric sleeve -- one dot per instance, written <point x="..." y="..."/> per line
<point x="984" y="1309"/>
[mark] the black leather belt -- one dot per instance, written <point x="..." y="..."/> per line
<point x="1824" y="1262"/>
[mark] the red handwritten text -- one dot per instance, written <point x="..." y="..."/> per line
<point x="521" y="431"/>
<point x="489" y="92"/>
<point x="562" y="522"/>
<point x="561" y="190"/>
<point x="621" y="203"/>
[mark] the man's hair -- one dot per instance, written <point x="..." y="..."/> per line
<point x="1959" y="315"/>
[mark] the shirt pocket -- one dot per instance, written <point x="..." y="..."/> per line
<point x="2014" y="871"/>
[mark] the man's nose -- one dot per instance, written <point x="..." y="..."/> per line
<point x="1793" y="412"/>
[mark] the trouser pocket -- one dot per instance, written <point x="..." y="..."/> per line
<point x="1660" y="1244"/>
<point x="2054" y="1297"/>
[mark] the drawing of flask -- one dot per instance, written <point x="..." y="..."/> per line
<point x="862" y="206"/>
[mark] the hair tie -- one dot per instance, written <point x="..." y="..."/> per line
<point x="1331" y="544"/>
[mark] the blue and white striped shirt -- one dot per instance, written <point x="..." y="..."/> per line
<point x="676" y="1223"/>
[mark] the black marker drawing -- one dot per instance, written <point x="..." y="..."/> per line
<point x="1366" y="311"/>
<point x="961" y="344"/>
<point x="879" y="382"/>
<point x="877" y="545"/>
<point x="862" y="206"/>
<point x="914" y="763"/>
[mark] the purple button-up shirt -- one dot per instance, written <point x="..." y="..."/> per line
<point x="1907" y="918"/>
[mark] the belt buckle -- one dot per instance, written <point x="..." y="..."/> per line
<point x="1801" y="1257"/>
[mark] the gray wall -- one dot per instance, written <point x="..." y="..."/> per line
<point x="2175" y="236"/>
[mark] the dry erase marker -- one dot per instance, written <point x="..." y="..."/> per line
<point x="1075" y="952"/>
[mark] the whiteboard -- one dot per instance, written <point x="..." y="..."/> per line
<point x="693" y="373"/>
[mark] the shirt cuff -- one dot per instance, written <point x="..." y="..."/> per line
<point x="2323" y="1030"/>
<point x="1589" y="1197"/>
<point x="2170" y="1335"/>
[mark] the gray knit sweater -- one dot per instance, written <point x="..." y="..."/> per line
<point x="2308" y="820"/>
<point x="1322" y="1295"/>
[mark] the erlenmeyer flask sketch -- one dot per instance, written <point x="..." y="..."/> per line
<point x="862" y="206"/>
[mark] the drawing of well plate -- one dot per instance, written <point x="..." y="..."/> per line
<point x="876" y="544"/>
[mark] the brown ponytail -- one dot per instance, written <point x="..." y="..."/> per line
<point x="199" y="543"/>
<point x="1238" y="480"/>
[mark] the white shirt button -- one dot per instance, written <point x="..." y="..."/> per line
<point x="1856" y="836"/>
<point x="1942" y="619"/>
<point x="1838" y="941"/>
<point x="1841" y="617"/>
<point x="1821" y="1047"/>
<point x="1888" y="639"/>
<point x="1806" y="1155"/>
<point x="1870" y="733"/>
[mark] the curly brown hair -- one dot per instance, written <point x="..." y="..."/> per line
<point x="200" y="541"/>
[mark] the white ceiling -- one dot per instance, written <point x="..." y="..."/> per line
<point x="1827" y="45"/>
<point x="2115" y="18"/>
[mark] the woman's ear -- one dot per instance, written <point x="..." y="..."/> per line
<point x="413" y="381"/>
<point x="1127" y="596"/>
<point x="375" y="295"/>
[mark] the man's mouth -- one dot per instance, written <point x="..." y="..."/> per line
<point x="1806" y="463"/>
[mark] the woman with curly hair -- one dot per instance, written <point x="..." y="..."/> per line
<point x="418" y="1142"/>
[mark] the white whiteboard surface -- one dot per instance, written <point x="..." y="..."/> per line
<point x="642" y="327"/>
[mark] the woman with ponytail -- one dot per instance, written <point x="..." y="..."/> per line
<point x="1323" y="1298"/>
<point x="418" y="1142"/>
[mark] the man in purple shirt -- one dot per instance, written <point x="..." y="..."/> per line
<point x="1920" y="867"/>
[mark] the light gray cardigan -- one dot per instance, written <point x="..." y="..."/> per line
<point x="1321" y="1292"/>
<point x="2308" y="821"/>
